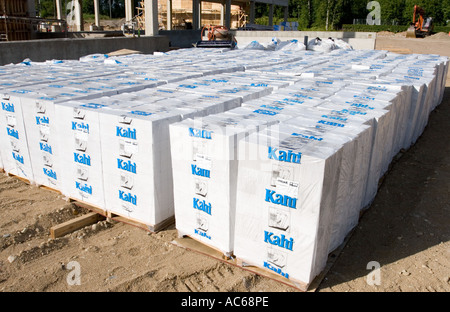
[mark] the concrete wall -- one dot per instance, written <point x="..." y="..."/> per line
<point x="182" y="38"/>
<point x="358" y="40"/>
<point x="60" y="49"/>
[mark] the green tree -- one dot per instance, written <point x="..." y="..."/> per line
<point x="88" y="7"/>
<point x="446" y="12"/>
<point x="46" y="9"/>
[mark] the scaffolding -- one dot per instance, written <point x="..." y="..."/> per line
<point x="13" y="20"/>
<point x="183" y="13"/>
<point x="16" y="24"/>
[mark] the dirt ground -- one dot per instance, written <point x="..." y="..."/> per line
<point x="406" y="231"/>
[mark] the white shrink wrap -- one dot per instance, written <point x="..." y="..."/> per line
<point x="39" y="116"/>
<point x="137" y="175"/>
<point x="244" y="90"/>
<point x="38" y="113"/>
<point x="381" y="119"/>
<point x="392" y="102"/>
<point x="204" y="164"/>
<point x="285" y="197"/>
<point x="281" y="105"/>
<point x="357" y="133"/>
<point x="429" y="75"/>
<point x="418" y="96"/>
<point x="403" y="93"/>
<point x="13" y="141"/>
<point x="444" y="77"/>
<point x="78" y="126"/>
<point x="204" y="104"/>
<point x="355" y="166"/>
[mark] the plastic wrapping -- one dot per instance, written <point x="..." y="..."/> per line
<point x="269" y="155"/>
<point x="285" y="198"/>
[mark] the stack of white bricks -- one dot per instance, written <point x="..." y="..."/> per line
<point x="266" y="155"/>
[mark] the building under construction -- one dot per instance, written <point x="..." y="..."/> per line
<point x="211" y="14"/>
<point x="19" y="21"/>
<point x="15" y="19"/>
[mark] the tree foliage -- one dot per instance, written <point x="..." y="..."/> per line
<point x="110" y="8"/>
<point x="335" y="13"/>
<point x="310" y="14"/>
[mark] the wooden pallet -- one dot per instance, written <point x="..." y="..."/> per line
<point x="25" y="180"/>
<point x="302" y="286"/>
<point x="88" y="206"/>
<point x="154" y="228"/>
<point x="218" y="253"/>
<point x="74" y="224"/>
<point x="196" y="246"/>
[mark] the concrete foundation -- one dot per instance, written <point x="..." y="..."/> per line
<point x="182" y="38"/>
<point x="66" y="49"/>
<point x="358" y="40"/>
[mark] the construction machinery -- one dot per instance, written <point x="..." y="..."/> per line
<point x="421" y="27"/>
<point x="216" y="37"/>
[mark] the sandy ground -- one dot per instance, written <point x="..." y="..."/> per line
<point x="406" y="232"/>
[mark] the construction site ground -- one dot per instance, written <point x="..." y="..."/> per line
<point x="406" y="231"/>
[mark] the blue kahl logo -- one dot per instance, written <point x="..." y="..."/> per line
<point x="202" y="205"/>
<point x="80" y="126"/>
<point x="82" y="159"/>
<point x="308" y="137"/>
<point x="45" y="147"/>
<point x="284" y="156"/>
<point x="128" y="197"/>
<point x="275" y="269"/>
<point x="187" y="86"/>
<point x="278" y="199"/>
<point x="200" y="172"/>
<point x="359" y="105"/>
<point x="280" y="241"/>
<point x="334" y="117"/>
<point x="18" y="157"/>
<point x="364" y="97"/>
<point x="199" y="133"/>
<point x="141" y="113"/>
<point x="13" y="133"/>
<point x="330" y="123"/>
<point x="265" y="112"/>
<point x="85" y="188"/>
<point x="201" y="233"/>
<point x="351" y="112"/>
<point x="42" y="120"/>
<point x="377" y="88"/>
<point x="272" y="107"/>
<point x="9" y="107"/>
<point x="126" y="165"/>
<point x="50" y="173"/>
<point x="93" y="105"/>
<point x="259" y="85"/>
<point x="126" y="133"/>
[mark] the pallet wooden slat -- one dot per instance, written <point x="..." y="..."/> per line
<point x="148" y="227"/>
<point x="190" y="244"/>
<point x="75" y="224"/>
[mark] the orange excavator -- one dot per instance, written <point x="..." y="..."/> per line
<point x="421" y="27"/>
